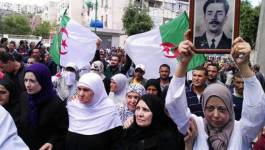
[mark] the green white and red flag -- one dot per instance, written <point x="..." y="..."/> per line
<point x="160" y="46"/>
<point x="73" y="43"/>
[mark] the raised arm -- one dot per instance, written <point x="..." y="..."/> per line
<point x="253" y="111"/>
<point x="176" y="101"/>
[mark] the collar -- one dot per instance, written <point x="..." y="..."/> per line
<point x="217" y="39"/>
<point x="236" y="94"/>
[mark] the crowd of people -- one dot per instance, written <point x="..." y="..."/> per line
<point x="108" y="104"/>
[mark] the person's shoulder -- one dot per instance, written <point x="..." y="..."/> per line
<point x="3" y="112"/>
<point x="201" y="41"/>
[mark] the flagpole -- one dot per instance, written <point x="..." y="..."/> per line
<point x="96" y="14"/>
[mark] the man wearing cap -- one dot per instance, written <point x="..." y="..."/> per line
<point x="138" y="75"/>
<point x="66" y="81"/>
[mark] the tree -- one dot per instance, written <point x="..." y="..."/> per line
<point x="16" y="24"/>
<point x="249" y="20"/>
<point x="43" y="29"/>
<point x="136" y="20"/>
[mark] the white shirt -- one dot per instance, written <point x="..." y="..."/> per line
<point x="244" y="130"/>
<point x="9" y="140"/>
<point x="210" y="38"/>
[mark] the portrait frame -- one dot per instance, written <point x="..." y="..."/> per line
<point x="197" y="26"/>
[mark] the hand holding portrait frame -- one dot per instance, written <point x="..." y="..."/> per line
<point x="214" y="24"/>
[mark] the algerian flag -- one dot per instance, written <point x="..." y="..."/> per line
<point x="74" y="43"/>
<point x="159" y="46"/>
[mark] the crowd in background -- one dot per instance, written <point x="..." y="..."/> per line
<point x="108" y="104"/>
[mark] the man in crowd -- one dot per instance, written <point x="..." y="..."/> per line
<point x="195" y="89"/>
<point x="259" y="76"/>
<point x="14" y="69"/>
<point x="12" y="48"/>
<point x="164" y="79"/>
<point x="115" y="67"/>
<point x="138" y="76"/>
<point x="212" y="70"/>
<point x="237" y="90"/>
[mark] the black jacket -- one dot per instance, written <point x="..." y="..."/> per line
<point x="201" y="42"/>
<point x="52" y="124"/>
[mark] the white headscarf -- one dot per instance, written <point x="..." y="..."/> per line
<point x="122" y="84"/>
<point x="97" y="116"/>
<point x="9" y="138"/>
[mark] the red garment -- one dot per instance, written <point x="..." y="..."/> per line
<point x="260" y="144"/>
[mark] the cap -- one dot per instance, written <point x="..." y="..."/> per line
<point x="140" y="66"/>
<point x="71" y="65"/>
<point x="98" y="67"/>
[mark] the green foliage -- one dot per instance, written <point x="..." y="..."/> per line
<point x="16" y="24"/>
<point x="249" y="20"/>
<point x="136" y="21"/>
<point x="43" y="29"/>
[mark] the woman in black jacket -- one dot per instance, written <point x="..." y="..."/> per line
<point x="44" y="119"/>
<point x="152" y="129"/>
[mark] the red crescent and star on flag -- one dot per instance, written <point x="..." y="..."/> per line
<point x="170" y="50"/>
<point x="64" y="42"/>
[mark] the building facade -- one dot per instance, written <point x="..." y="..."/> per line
<point x="163" y="10"/>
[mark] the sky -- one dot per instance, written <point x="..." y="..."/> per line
<point x="41" y="2"/>
<point x="255" y="2"/>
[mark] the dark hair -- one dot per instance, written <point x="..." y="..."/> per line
<point x="256" y="67"/>
<point x="164" y="65"/>
<point x="119" y="59"/>
<point x="13" y="42"/>
<point x="208" y="2"/>
<point x="3" y="40"/>
<point x="215" y="65"/>
<point x="201" y="68"/>
<point x="5" y="57"/>
<point x="153" y="82"/>
<point x="237" y="74"/>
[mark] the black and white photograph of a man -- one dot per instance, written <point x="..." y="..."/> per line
<point x="213" y="24"/>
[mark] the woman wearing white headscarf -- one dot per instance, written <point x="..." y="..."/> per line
<point x="9" y="138"/>
<point x="118" y="87"/>
<point x="219" y="130"/>
<point x="94" y="122"/>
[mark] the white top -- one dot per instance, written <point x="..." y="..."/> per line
<point x="244" y="130"/>
<point x="97" y="116"/>
<point x="9" y="140"/>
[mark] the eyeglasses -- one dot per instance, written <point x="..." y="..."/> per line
<point x="221" y="109"/>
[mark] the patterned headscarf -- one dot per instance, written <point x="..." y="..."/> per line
<point x="219" y="138"/>
<point x="137" y="88"/>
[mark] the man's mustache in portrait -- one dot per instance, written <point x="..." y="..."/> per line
<point x="215" y="22"/>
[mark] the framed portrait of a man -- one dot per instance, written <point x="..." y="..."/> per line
<point x="214" y="24"/>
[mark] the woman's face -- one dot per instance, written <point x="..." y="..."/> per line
<point x="216" y="112"/>
<point x="151" y="90"/>
<point x="4" y="95"/>
<point x="84" y="94"/>
<point x="113" y="86"/>
<point x="31" y="83"/>
<point x="143" y="114"/>
<point x="132" y="99"/>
